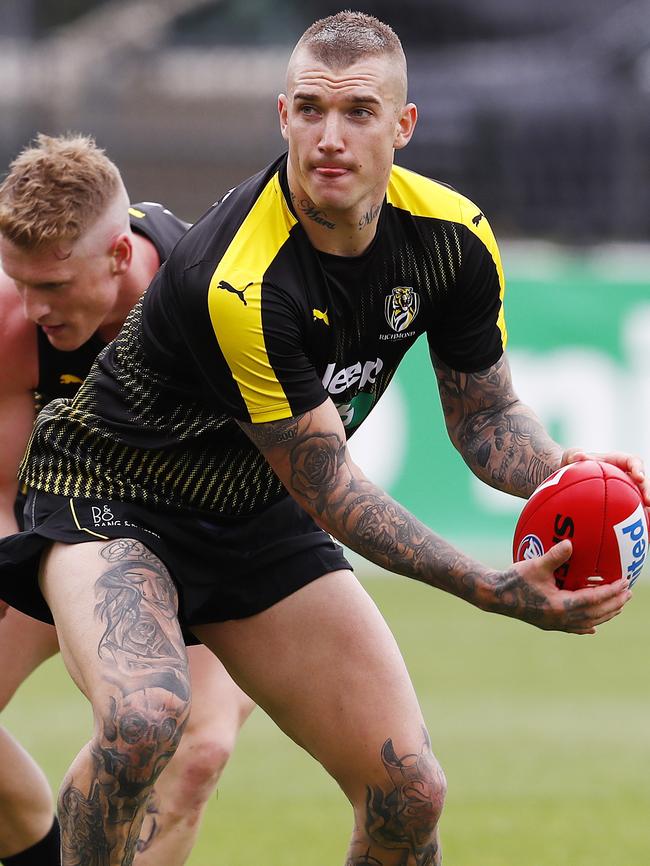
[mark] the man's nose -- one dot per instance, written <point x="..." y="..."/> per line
<point x="35" y="306"/>
<point x="332" y="133"/>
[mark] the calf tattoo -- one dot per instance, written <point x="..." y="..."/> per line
<point x="102" y="805"/>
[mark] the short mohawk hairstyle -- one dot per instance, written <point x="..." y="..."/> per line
<point x="55" y="190"/>
<point x="342" y="39"/>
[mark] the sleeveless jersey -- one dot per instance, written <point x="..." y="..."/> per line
<point x="61" y="373"/>
<point x="247" y="321"/>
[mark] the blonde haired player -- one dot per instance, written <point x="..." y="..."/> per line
<point x="76" y="258"/>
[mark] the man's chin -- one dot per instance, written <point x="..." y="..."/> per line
<point x="63" y="342"/>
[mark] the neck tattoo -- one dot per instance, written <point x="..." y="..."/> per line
<point x="369" y="216"/>
<point x="313" y="213"/>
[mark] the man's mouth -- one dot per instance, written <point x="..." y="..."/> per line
<point x="51" y="329"/>
<point x="330" y="170"/>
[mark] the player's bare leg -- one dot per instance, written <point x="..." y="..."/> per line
<point x="176" y="806"/>
<point x="325" y="666"/>
<point x="26" y="803"/>
<point x="114" y="605"/>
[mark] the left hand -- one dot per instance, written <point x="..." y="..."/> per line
<point x="629" y="463"/>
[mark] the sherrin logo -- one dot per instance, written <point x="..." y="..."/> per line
<point x="530" y="547"/>
<point x="632" y="538"/>
<point x="401" y="307"/>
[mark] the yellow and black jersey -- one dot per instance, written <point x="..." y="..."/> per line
<point x="247" y="321"/>
<point x="61" y="373"/>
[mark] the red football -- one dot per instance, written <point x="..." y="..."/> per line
<point x="600" y="509"/>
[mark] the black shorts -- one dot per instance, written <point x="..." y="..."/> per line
<point x="223" y="568"/>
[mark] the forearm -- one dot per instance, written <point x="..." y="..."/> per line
<point x="316" y="469"/>
<point x="500" y="438"/>
<point x="370" y="522"/>
<point x="508" y="448"/>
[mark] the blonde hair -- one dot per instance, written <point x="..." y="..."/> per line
<point x="55" y="190"/>
<point x="341" y="39"/>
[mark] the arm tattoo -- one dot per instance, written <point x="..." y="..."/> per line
<point x="501" y="439"/>
<point x="273" y="432"/>
<point x="316" y="469"/>
<point x="322" y="478"/>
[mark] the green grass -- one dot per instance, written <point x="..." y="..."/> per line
<point x="545" y="739"/>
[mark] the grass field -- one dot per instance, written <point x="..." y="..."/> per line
<point x="545" y="739"/>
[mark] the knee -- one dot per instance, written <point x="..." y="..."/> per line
<point x="407" y="809"/>
<point x="198" y="765"/>
<point x="137" y="738"/>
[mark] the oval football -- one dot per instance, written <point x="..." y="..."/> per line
<point x="600" y="509"/>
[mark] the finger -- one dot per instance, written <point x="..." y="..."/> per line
<point x="587" y="618"/>
<point x="593" y="595"/>
<point x="607" y="618"/>
<point x="558" y="554"/>
<point x="574" y="455"/>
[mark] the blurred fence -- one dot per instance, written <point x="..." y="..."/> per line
<point x="541" y="114"/>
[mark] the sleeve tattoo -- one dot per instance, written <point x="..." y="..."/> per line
<point x="321" y="476"/>
<point x="500" y="438"/>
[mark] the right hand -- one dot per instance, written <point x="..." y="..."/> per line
<point x="527" y="591"/>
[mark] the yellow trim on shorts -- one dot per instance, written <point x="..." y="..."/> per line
<point x="83" y="528"/>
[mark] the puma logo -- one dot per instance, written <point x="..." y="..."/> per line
<point x="319" y="314"/>
<point x="239" y="292"/>
<point x="69" y="379"/>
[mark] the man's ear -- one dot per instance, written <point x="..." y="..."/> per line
<point x="283" y="112"/>
<point x="121" y="254"/>
<point x="405" y="125"/>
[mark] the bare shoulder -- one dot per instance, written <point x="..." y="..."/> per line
<point x="18" y="345"/>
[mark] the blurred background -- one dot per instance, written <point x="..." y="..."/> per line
<point x="540" y="113"/>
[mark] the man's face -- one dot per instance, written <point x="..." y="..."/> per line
<point x="69" y="292"/>
<point x="342" y="127"/>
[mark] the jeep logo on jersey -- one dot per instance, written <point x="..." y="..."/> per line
<point x="401" y="307"/>
<point x="336" y="381"/>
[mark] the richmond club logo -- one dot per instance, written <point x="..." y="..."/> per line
<point x="401" y="307"/>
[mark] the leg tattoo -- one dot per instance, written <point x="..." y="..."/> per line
<point x="144" y="668"/>
<point x="403" y="817"/>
